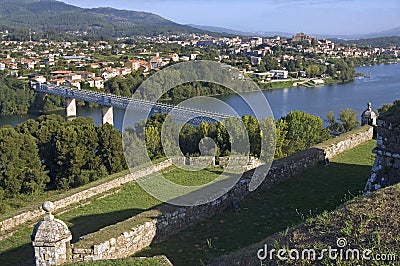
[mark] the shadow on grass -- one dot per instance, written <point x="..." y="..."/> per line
<point x="87" y="224"/>
<point x="22" y="255"/>
<point x="264" y="213"/>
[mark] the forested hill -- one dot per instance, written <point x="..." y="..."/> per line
<point x="54" y="17"/>
<point x="373" y="42"/>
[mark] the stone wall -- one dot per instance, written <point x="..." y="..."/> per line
<point x="386" y="169"/>
<point x="239" y="162"/>
<point x="33" y="215"/>
<point x="135" y="239"/>
<point x="346" y="141"/>
<point x="202" y="161"/>
<point x="172" y="219"/>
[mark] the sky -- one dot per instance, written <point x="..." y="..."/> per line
<point x="310" y="16"/>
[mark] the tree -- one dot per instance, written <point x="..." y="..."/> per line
<point x="21" y="171"/>
<point x="301" y="132"/>
<point x="334" y="126"/>
<point x="348" y="117"/>
<point x="346" y="72"/>
<point x="110" y="148"/>
<point x="254" y="133"/>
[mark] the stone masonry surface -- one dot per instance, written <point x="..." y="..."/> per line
<point x="386" y="169"/>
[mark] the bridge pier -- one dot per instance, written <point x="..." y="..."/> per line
<point x="71" y="107"/>
<point x="108" y="116"/>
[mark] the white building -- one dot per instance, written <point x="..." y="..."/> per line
<point x="280" y="74"/>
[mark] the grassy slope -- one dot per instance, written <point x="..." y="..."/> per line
<point x="267" y="212"/>
<point x="156" y="261"/>
<point x="369" y="222"/>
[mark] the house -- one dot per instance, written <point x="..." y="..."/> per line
<point x="254" y="41"/>
<point x="280" y="74"/>
<point x="184" y="58"/>
<point x="264" y="75"/>
<point x="193" y="56"/>
<point x="74" y="83"/>
<point x="136" y="65"/>
<point x="61" y="72"/>
<point x="86" y="74"/>
<point x="156" y="62"/>
<point x="174" y="57"/>
<point x="76" y="58"/>
<point x="9" y="60"/>
<point x="57" y="81"/>
<point x="30" y="64"/>
<point x="109" y="72"/>
<point x="37" y="77"/>
<point x="95" y="65"/>
<point x="124" y="71"/>
<point x="96" y="82"/>
<point x="73" y="76"/>
<point x="50" y="60"/>
<point x="2" y="66"/>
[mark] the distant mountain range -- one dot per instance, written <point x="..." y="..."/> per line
<point x="57" y="17"/>
<point x="242" y="33"/>
<point x="387" y="33"/>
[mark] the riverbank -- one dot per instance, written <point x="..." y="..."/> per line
<point x="381" y="88"/>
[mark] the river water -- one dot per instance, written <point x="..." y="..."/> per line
<point x="382" y="87"/>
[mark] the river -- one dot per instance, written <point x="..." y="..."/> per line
<point x="382" y="87"/>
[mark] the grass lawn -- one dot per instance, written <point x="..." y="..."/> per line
<point x="267" y="212"/>
<point x="197" y="178"/>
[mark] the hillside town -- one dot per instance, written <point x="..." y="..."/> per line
<point x="264" y="59"/>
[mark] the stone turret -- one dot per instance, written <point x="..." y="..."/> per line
<point x="368" y="117"/>
<point x="51" y="239"/>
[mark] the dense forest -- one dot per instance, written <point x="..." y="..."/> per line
<point x="56" y="18"/>
<point x="16" y="97"/>
<point x="51" y="153"/>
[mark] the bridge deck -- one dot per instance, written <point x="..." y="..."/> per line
<point x="106" y="99"/>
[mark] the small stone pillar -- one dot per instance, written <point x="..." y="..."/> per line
<point x="71" y="107"/>
<point x="51" y="239"/>
<point x="108" y="116"/>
